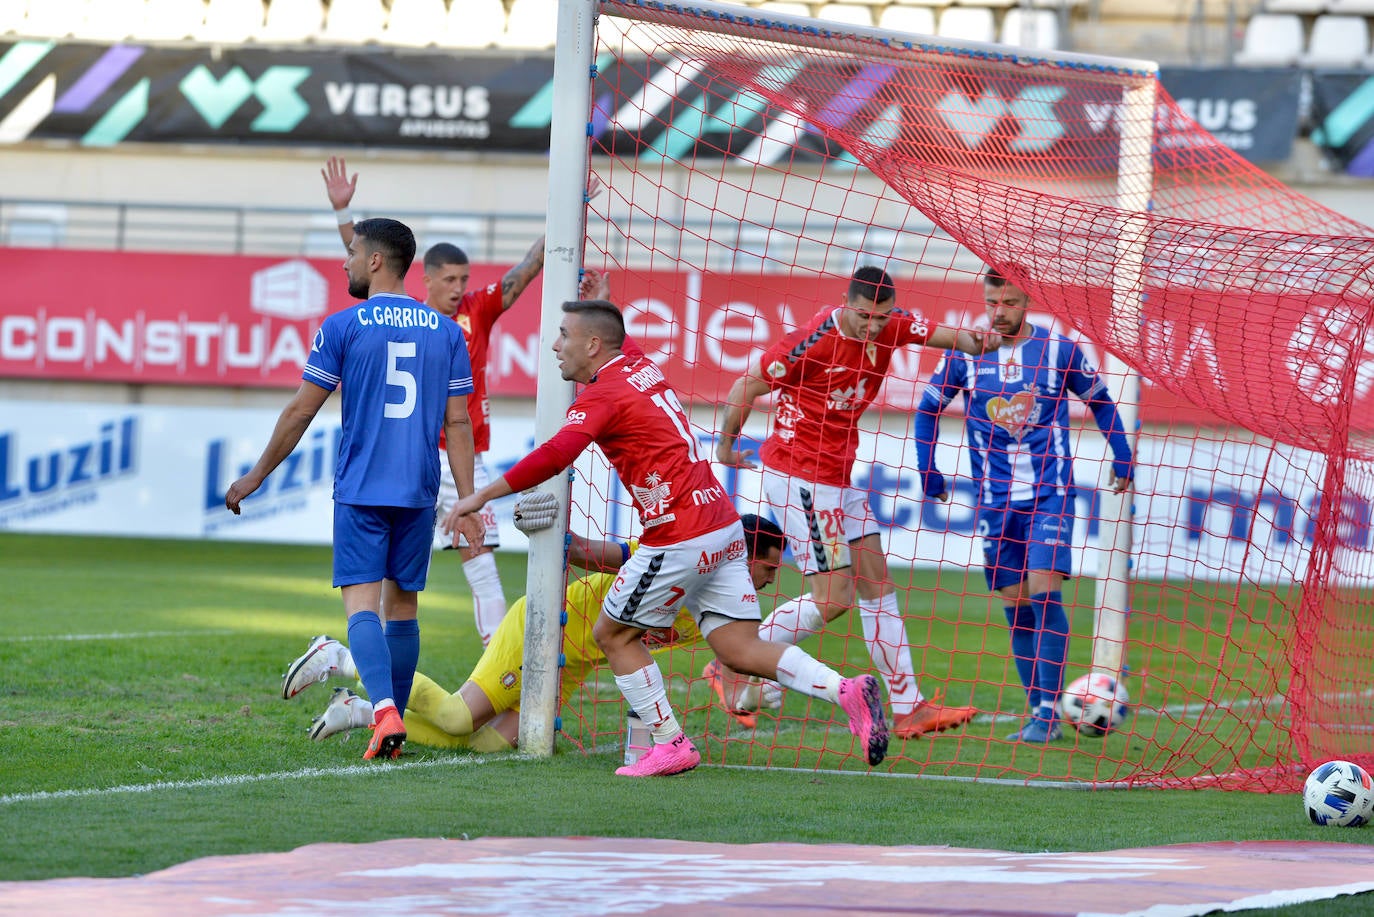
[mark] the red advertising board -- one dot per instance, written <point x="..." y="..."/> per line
<point x="224" y="320"/>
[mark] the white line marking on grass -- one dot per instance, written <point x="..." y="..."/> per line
<point x="351" y="770"/>
<point x="33" y="638"/>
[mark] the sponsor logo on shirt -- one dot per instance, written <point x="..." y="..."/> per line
<point x="576" y="417"/>
<point x="785" y="419"/>
<point x="1017" y="413"/>
<point x="707" y="495"/>
<point x="851" y="398"/>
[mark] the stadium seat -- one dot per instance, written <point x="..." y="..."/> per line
<point x="171" y="20"/>
<point x="988" y="4"/>
<point x="112" y="20"/>
<point x="785" y="7"/>
<point x="292" y="20"/>
<point x="1351" y="7"/>
<point x="53" y="18"/>
<point x="1295" y="6"/>
<point x="968" y="23"/>
<point x="11" y="17"/>
<point x="850" y="13"/>
<point x="354" y="21"/>
<point x="915" y="20"/>
<point x="1271" y="39"/>
<point x="1337" y="42"/>
<point x="1036" y="29"/>
<point x="416" y="23"/>
<point x="476" y="23"/>
<point x="531" y="24"/>
<point x="230" y="22"/>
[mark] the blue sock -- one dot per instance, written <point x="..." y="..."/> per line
<point x="403" y="640"/>
<point x="371" y="657"/>
<point x="1053" y="650"/>
<point x="1021" y="619"/>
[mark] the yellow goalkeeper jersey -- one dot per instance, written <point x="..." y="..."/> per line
<point x="498" y="671"/>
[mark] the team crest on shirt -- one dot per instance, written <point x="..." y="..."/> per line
<point x="464" y="322"/>
<point x="653" y="497"/>
<point x="777" y="369"/>
<point x="1017" y="413"/>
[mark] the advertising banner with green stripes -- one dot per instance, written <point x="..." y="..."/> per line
<point x="101" y="95"/>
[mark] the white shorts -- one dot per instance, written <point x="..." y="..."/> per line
<point x="448" y="495"/>
<point x="709" y="574"/>
<point x="820" y="521"/>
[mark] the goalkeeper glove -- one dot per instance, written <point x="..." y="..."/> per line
<point x="535" y="511"/>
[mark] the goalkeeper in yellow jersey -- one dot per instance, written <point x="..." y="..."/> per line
<point x="484" y="714"/>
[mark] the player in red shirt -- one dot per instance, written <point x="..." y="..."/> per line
<point x="446" y="276"/>
<point x="692" y="550"/>
<point x="825" y="375"/>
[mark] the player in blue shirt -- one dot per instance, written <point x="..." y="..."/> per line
<point x="405" y="374"/>
<point x="1017" y="423"/>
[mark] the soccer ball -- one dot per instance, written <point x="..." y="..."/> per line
<point x="1095" y="704"/>
<point x="1339" y="793"/>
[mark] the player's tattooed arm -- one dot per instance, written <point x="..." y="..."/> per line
<point x="520" y="276"/>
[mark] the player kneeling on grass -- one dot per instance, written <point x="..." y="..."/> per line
<point x="692" y="551"/>
<point x="484" y="714"/>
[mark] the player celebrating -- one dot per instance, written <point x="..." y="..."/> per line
<point x="447" y="272"/>
<point x="484" y="714"/>
<point x="692" y="550"/>
<point x="1017" y="418"/>
<point x="826" y="374"/>
<point x="405" y="373"/>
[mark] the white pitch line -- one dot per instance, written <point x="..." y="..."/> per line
<point x="351" y="770"/>
<point x="35" y="638"/>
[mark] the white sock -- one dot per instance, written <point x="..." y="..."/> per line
<point x="885" y="633"/>
<point x="645" y="694"/>
<point x="797" y="669"/>
<point x="792" y="622"/>
<point x="488" y="598"/>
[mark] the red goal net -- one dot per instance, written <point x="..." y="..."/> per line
<point x="752" y="164"/>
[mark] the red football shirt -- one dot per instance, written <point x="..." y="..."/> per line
<point x="824" y="381"/>
<point x="629" y="411"/>
<point x="477" y="314"/>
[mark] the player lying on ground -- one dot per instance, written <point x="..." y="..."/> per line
<point x="484" y="714"/>
<point x="692" y="551"/>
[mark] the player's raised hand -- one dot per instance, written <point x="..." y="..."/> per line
<point x="594" y="285"/>
<point x="337" y="184"/>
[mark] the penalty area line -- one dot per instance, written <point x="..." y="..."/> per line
<point x="351" y="770"/>
<point x="34" y="638"/>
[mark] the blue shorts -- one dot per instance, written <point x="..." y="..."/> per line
<point x="373" y="543"/>
<point x="1024" y="537"/>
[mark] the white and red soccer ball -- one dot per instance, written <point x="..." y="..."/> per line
<point x="1339" y="793"/>
<point x="1095" y="704"/>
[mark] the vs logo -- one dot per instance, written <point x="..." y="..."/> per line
<point x="974" y="120"/>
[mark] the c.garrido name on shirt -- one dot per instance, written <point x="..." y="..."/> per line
<point x="399" y="316"/>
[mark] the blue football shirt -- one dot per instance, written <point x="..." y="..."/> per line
<point x="398" y="362"/>
<point x="1017" y="417"/>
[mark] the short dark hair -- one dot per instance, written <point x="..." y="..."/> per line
<point x="873" y="283"/>
<point x="994" y="278"/>
<point x="606" y="320"/>
<point x="761" y="534"/>
<point x="390" y="237"/>
<point x="443" y="253"/>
